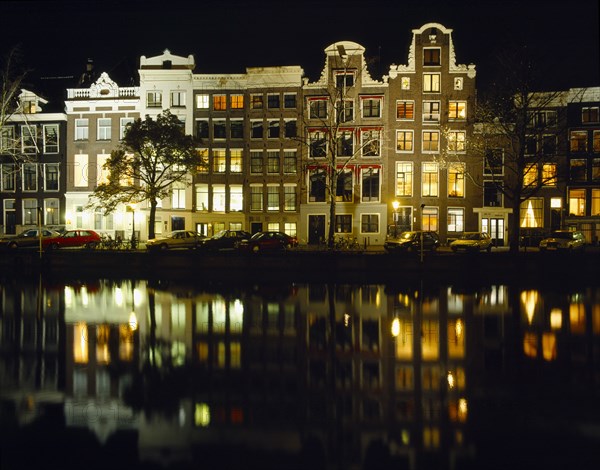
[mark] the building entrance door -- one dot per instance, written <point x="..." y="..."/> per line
<point x="316" y="229"/>
<point x="495" y="227"/>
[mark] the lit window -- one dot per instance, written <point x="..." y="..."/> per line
<point x="431" y="82"/>
<point x="456" y="219"/>
<point x="595" y="202"/>
<point x="218" y="199"/>
<point x="405" y="83"/>
<point x="80" y="170"/>
<point x="202" y="101"/>
<point x="577" y="202"/>
<point x="404" y="141"/>
<point x="405" y="110"/>
<point x="430" y="221"/>
<point x="596" y="142"/>
<point x="404" y="179"/>
<point x="30" y="212"/>
<point x="202" y="197"/>
<point x="532" y="213"/>
<point x="431" y="141"/>
<point x="430" y="179"/>
<point x="101" y="172"/>
<point x="272" y="197"/>
<point x="457" y="110"/>
<point x="236" y="198"/>
<point x="219" y="102"/>
<point x="290" y="198"/>
<point x="235" y="163"/>
<point x="431" y="111"/>
<point x="530" y="176"/>
<point x="51" y="212"/>
<point x="549" y="175"/>
<point x="456" y="180"/>
<point x="178" y="196"/>
<point x="219" y="161"/>
<point x="237" y="101"/>
<point x="457" y="141"/>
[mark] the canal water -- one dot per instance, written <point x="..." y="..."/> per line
<point x="131" y="374"/>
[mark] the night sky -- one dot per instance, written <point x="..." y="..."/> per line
<point x="58" y="37"/>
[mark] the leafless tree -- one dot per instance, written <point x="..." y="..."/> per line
<point x="333" y="137"/>
<point x="518" y="138"/>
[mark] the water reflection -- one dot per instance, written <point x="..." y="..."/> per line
<point x="298" y="375"/>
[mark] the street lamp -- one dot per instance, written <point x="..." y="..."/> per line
<point x="395" y="206"/>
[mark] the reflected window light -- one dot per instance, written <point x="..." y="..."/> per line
<point x="549" y="346"/>
<point x="118" y="296"/>
<point x="202" y="415"/>
<point x="405" y="436"/>
<point x="181" y="416"/>
<point x="68" y="296"/>
<point x="556" y="319"/>
<point x="577" y="318"/>
<point x="133" y="323"/>
<point x="395" y="327"/>
<point x="84" y="296"/>
<point x="80" y="343"/>
<point x="236" y="316"/>
<point x="530" y="344"/>
<point x="462" y="410"/>
<point x="346" y="319"/>
<point x="137" y="297"/>
<point x="529" y="299"/>
<point x="450" y="379"/>
<point x="596" y="319"/>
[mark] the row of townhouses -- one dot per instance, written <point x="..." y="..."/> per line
<point x="266" y="135"/>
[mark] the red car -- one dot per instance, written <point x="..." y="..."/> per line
<point x="269" y="241"/>
<point x="73" y="238"/>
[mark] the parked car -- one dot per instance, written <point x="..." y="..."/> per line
<point x="224" y="240"/>
<point x="73" y="238"/>
<point x="563" y="240"/>
<point x="472" y="242"/>
<point x="411" y="241"/>
<point x="268" y="241"/>
<point x="30" y="237"/>
<point x="175" y="239"/>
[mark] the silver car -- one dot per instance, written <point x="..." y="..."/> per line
<point x="472" y="241"/>
<point x="563" y="240"/>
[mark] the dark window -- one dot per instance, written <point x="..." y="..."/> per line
<point x="289" y="100"/>
<point x="202" y="129"/>
<point x="431" y="57"/>
<point x="237" y="129"/>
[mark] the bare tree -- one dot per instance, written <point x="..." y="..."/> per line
<point x="517" y="139"/>
<point x="154" y="155"/>
<point x="332" y="136"/>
